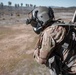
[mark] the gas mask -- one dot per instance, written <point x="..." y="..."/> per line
<point x="37" y="27"/>
<point x="39" y="18"/>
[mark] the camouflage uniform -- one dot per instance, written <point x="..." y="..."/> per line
<point x="54" y="52"/>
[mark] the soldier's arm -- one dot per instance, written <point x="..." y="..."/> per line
<point x="47" y="46"/>
<point x="48" y="43"/>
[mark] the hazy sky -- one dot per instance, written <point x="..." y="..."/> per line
<point x="63" y="3"/>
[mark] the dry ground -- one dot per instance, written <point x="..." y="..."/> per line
<point x="17" y="42"/>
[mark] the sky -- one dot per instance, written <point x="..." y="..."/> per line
<point x="60" y="3"/>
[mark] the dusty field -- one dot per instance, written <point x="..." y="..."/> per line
<point x="17" y="42"/>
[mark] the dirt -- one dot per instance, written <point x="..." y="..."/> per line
<point x="17" y="42"/>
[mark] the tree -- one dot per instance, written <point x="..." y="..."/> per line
<point x="15" y="5"/>
<point x="34" y="6"/>
<point x="10" y="7"/>
<point x="31" y="5"/>
<point x="1" y="4"/>
<point x="21" y="4"/>
<point x="27" y="5"/>
<point x="18" y="5"/>
<point x="9" y="3"/>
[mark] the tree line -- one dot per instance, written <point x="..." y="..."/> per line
<point x="17" y="5"/>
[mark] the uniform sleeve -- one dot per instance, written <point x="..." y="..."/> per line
<point x="48" y="43"/>
<point x="50" y="38"/>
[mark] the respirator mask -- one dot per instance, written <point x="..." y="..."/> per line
<point x="40" y="16"/>
<point x="37" y="26"/>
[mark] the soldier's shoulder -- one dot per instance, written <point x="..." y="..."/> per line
<point x="54" y="30"/>
<point x="53" y="27"/>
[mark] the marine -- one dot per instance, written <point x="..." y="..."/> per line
<point x="56" y="46"/>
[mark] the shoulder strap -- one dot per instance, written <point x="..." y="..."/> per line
<point x="71" y="38"/>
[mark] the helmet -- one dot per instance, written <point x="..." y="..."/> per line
<point x="41" y="16"/>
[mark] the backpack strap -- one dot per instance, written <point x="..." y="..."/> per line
<point x="69" y="61"/>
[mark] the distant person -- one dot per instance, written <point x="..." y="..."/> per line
<point x="56" y="46"/>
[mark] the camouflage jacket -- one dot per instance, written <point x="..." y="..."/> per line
<point x="48" y="39"/>
<point x="53" y="50"/>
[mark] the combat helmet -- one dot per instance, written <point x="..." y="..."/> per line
<point x="40" y="16"/>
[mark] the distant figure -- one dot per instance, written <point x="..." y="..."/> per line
<point x="56" y="46"/>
